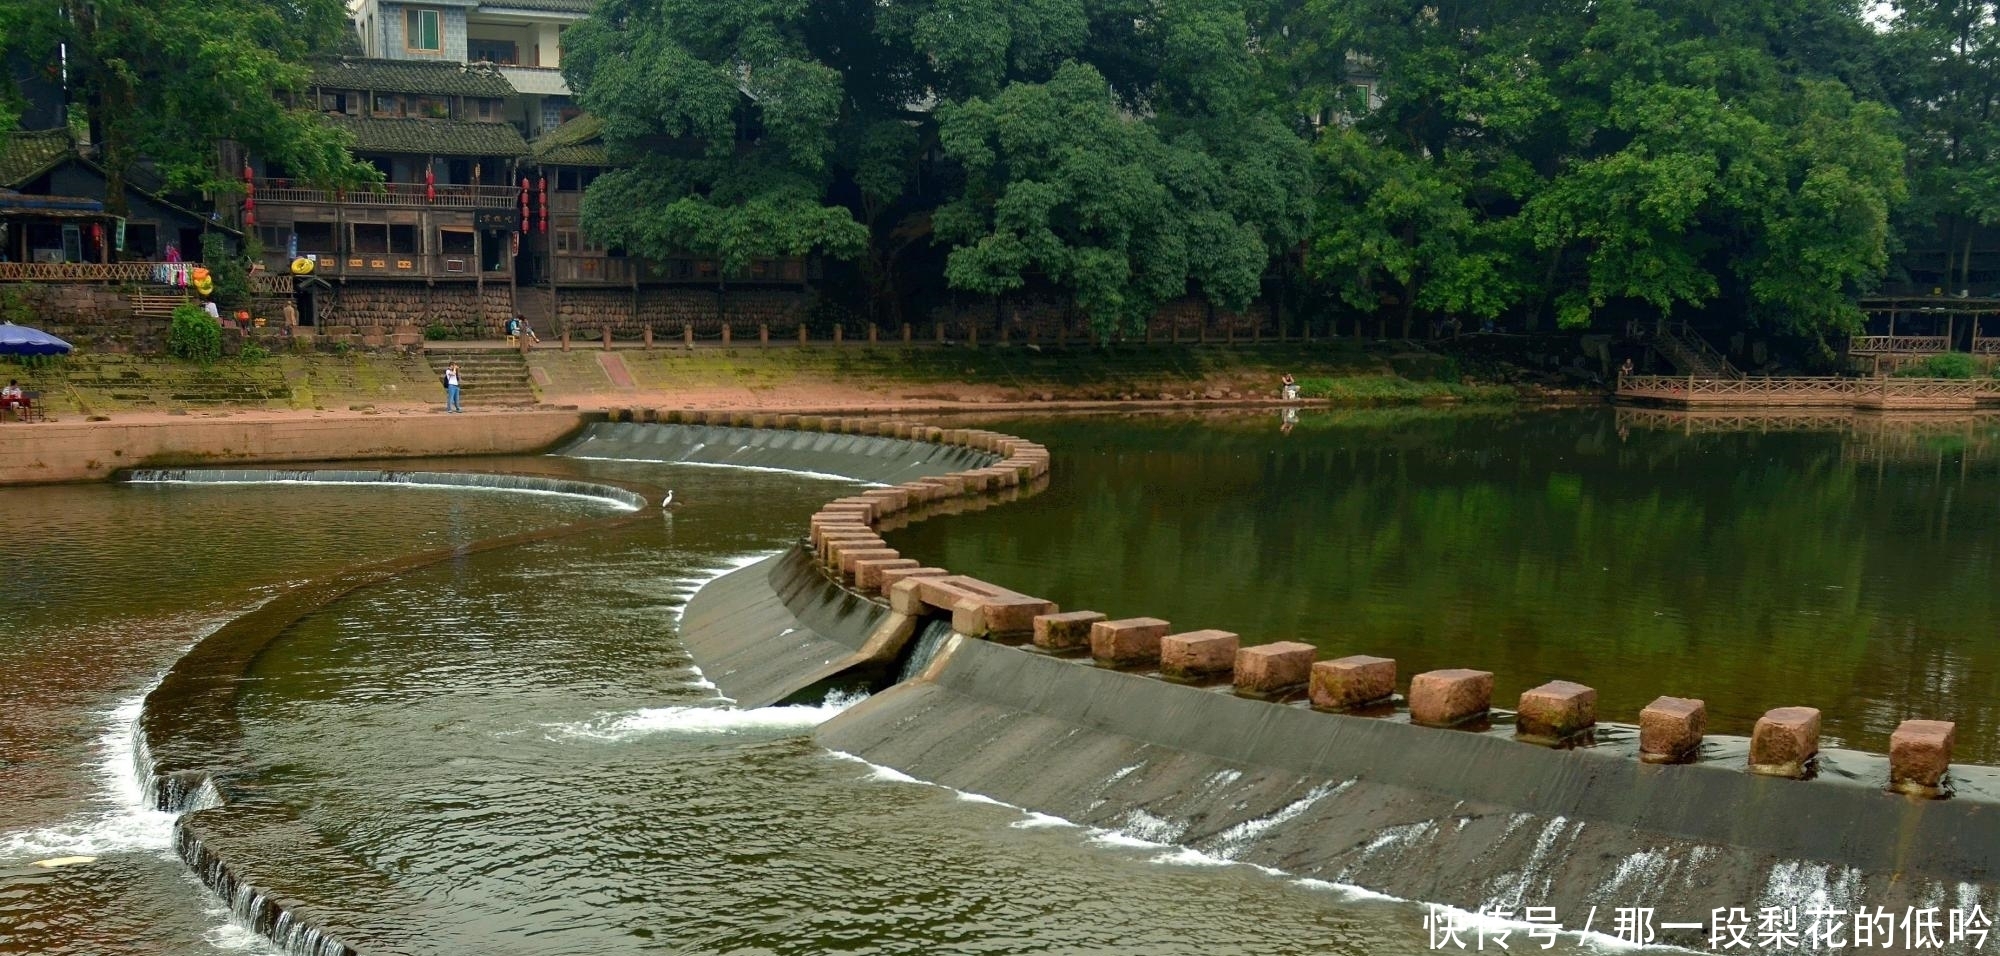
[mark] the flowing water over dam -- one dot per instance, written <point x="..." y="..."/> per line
<point x="511" y="752"/>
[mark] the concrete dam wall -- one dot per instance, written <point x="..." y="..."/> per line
<point x="1333" y="769"/>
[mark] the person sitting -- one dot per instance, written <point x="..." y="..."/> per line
<point x="1290" y="387"/>
<point x="13" y="399"/>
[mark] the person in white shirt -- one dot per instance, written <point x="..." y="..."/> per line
<point x="451" y="388"/>
<point x="213" y="311"/>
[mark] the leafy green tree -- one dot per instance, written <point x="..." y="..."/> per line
<point x="1946" y="82"/>
<point x="166" y="80"/>
<point x="194" y="335"/>
<point x="1620" y="155"/>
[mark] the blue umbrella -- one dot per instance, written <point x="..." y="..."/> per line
<point x="21" y="340"/>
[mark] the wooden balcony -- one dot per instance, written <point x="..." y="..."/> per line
<point x="1809" y="391"/>
<point x="274" y="283"/>
<point x="284" y="192"/>
<point x="402" y="265"/>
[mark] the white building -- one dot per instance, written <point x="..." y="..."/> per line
<point x="522" y="37"/>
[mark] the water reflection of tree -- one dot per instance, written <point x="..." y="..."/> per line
<point x="1753" y="569"/>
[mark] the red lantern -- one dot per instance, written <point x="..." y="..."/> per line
<point x="545" y="205"/>
<point x="526" y="223"/>
<point x="430" y="184"/>
<point x="249" y="196"/>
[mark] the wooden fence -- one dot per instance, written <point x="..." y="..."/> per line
<point x="265" y="284"/>
<point x="1809" y="391"/>
<point x="1898" y="345"/>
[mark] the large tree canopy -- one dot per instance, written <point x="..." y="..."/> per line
<point x="166" y="80"/>
<point x="1574" y="158"/>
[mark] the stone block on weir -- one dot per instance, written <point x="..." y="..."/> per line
<point x="1128" y="642"/>
<point x="1271" y="669"/>
<point x="890" y="576"/>
<point x="1354" y="681"/>
<point x="1447" y="698"/>
<point x="851" y="558"/>
<point x="1785" y="741"/>
<point x="1920" y="755"/>
<point x="868" y="571"/>
<point x="994" y="616"/>
<point x="1671" y="728"/>
<point x="1556" y="711"/>
<point x="1068" y="631"/>
<point x="1198" y="654"/>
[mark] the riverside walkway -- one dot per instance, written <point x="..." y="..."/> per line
<point x="1687" y="391"/>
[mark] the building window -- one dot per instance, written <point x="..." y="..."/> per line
<point x="565" y="241"/>
<point x="423" y="31"/>
<point x="314" y="236"/>
<point x="142" y="240"/>
<point x="388" y="105"/>
<point x="504" y="52"/>
<point x="455" y="242"/>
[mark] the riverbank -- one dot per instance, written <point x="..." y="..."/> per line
<point x="816" y="378"/>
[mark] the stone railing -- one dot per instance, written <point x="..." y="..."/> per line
<point x="846" y="538"/>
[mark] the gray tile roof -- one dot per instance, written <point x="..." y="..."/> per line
<point x="578" y="142"/>
<point x="441" y="78"/>
<point x="432" y="137"/>
<point x="541" y="6"/>
<point x="24" y="155"/>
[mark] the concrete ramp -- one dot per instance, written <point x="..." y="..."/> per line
<point x="870" y="458"/>
<point x="1466" y="818"/>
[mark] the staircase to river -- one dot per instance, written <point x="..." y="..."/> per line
<point x="488" y="377"/>
<point x="1692" y="355"/>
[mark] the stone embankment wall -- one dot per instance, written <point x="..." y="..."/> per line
<point x="1266" y="754"/>
<point x="377" y="314"/>
<point x="91" y="451"/>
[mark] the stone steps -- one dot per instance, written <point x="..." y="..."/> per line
<point x="489" y="376"/>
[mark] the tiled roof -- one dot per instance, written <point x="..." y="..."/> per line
<point x="411" y="76"/>
<point x="25" y="155"/>
<point x="433" y="137"/>
<point x="578" y="142"/>
<point x="542" y="6"/>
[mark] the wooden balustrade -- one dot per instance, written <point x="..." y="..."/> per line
<point x="277" y="191"/>
<point x="1809" y="391"/>
<point x="1898" y="345"/>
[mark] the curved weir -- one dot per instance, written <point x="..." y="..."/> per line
<point x="1188" y="739"/>
<point x="191" y="752"/>
<point x="470" y="481"/>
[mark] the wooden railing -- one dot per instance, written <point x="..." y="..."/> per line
<point x="402" y="264"/>
<point x="392" y="194"/>
<point x="1809" y="390"/>
<point x="1691" y="352"/>
<point x="139" y="273"/>
<point x="1985" y="346"/>
<point x="1897" y="345"/>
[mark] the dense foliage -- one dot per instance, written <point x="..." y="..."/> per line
<point x="194" y="335"/>
<point x="164" y="81"/>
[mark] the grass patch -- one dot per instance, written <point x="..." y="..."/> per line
<point x="1392" y="390"/>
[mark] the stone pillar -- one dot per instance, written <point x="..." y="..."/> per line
<point x="802" y="333"/>
<point x="725" y="335"/>
<point x="763" y="334"/>
<point x="940" y="333"/>
<point x="1127" y="643"/>
<point x="839" y="334"/>
<point x="1556" y="711"/>
<point x="565" y="340"/>
<point x="874" y="334"/>
<point x="605" y="335"/>
<point x="1061" y="633"/>
<point x="1447" y="698"/>
<point x="1671" y="728"/>
<point x="1920" y="755"/>
<point x="1270" y="670"/>
<point x="1198" y="654"/>
<point x="972" y="336"/>
<point x="1785" y="741"/>
<point x="1350" y="682"/>
<point x="906" y="333"/>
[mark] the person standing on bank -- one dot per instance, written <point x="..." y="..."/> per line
<point x="451" y="388"/>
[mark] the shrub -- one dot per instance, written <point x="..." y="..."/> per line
<point x="253" y="353"/>
<point x="1948" y="365"/>
<point x="232" y="278"/>
<point x="194" y="334"/>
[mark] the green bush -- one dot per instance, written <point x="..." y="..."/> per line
<point x="194" y="334"/>
<point x="232" y="277"/>
<point x="1948" y="365"/>
<point x="253" y="353"/>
